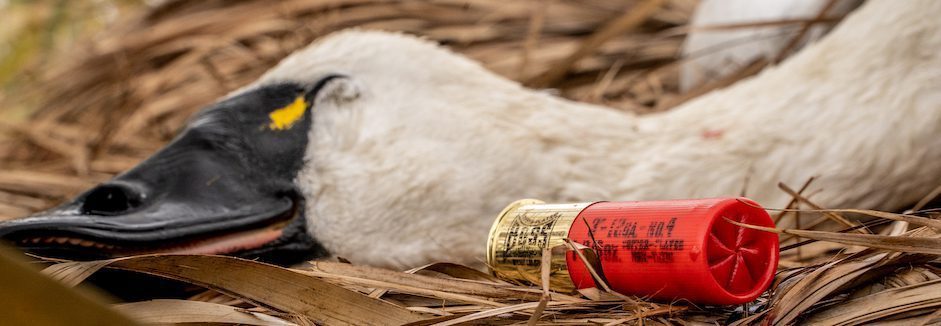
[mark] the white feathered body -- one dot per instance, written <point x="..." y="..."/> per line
<point x="412" y="155"/>
<point x="711" y="54"/>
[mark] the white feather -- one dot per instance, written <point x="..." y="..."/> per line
<point x="712" y="54"/>
<point x="415" y="166"/>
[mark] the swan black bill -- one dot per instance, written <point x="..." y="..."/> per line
<point x="224" y="185"/>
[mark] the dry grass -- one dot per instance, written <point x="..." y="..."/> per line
<point x="107" y="104"/>
<point x="894" y="278"/>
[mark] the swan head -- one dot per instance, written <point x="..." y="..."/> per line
<point x="361" y="145"/>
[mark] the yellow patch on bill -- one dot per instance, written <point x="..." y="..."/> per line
<point x="284" y="118"/>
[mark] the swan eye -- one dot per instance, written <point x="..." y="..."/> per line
<point x="337" y="89"/>
<point x="330" y="87"/>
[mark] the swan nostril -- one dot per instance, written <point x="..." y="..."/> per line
<point x="111" y="199"/>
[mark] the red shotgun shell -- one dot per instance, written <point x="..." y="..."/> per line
<point x="678" y="249"/>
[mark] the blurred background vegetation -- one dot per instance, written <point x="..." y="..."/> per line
<point x="32" y="31"/>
